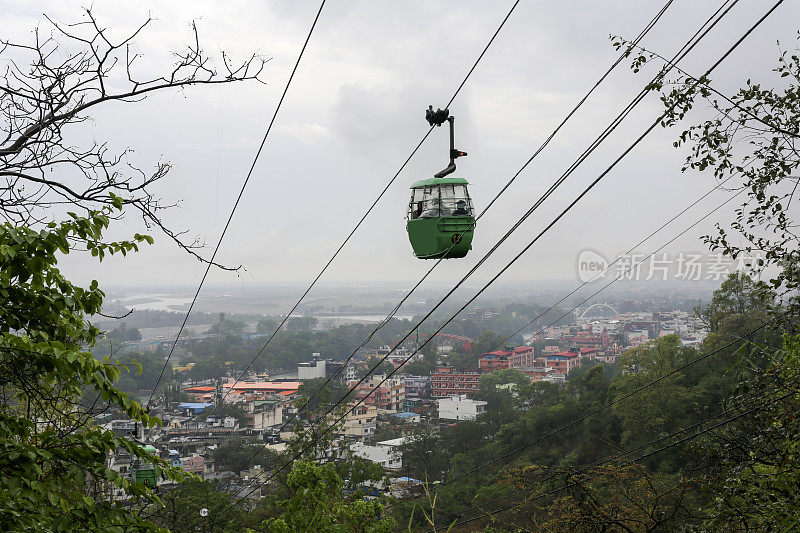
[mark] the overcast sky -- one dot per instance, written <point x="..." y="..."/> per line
<point x="356" y="109"/>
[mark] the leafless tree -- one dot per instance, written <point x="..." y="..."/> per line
<point x="54" y="83"/>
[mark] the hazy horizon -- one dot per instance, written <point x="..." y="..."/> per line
<point x="356" y="109"/>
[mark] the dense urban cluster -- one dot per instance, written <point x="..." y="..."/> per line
<point x="205" y="414"/>
<point x="673" y="406"/>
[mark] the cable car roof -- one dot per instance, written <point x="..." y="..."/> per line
<point x="437" y="181"/>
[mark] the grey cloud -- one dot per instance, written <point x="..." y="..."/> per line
<point x="357" y="108"/>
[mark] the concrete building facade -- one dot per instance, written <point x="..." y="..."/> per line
<point x="460" y="407"/>
<point x="447" y="382"/>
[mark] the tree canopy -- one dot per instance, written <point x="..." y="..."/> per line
<point x="53" y="468"/>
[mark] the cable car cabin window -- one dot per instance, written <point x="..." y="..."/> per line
<point x="446" y="200"/>
<point x="425" y="203"/>
<point x="455" y="200"/>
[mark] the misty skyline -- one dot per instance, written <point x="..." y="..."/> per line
<point x="356" y="109"/>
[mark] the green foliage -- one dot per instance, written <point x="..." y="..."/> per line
<point x="502" y="399"/>
<point x="664" y="490"/>
<point x="142" y="371"/>
<point x="173" y="393"/>
<point x="375" y="368"/>
<point x="424" y="456"/>
<point x="753" y="465"/>
<point x="226" y="327"/>
<point x="180" y="509"/>
<point x="660" y="408"/>
<point x="301" y="323"/>
<point x="154" y="318"/>
<point x="418" y="368"/>
<point x="359" y="474"/>
<point x="267" y="325"/>
<point x="391" y="429"/>
<point x="124" y="334"/>
<point x="320" y="399"/>
<point x="462" y="362"/>
<point x="53" y="473"/>
<point x="316" y="503"/>
<point x="487" y="342"/>
<point x="287" y="348"/>
<point x="617" y="495"/>
<point x="753" y="137"/>
<point x="739" y="297"/>
<point x="239" y="454"/>
<point x="208" y="368"/>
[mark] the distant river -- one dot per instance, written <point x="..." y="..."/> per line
<point x="360" y="318"/>
<point x="156" y="302"/>
<point x="167" y="302"/>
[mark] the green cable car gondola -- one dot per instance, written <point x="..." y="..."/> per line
<point x="146" y="473"/>
<point x="441" y="220"/>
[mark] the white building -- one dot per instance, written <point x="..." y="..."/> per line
<point x="609" y="326"/>
<point x="385" y="453"/>
<point x="555" y="377"/>
<point x="637" y="338"/>
<point x="349" y="372"/>
<point x="312" y="370"/>
<point x="262" y="414"/>
<point x="460" y="408"/>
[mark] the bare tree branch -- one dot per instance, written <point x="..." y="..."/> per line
<point x="55" y="82"/>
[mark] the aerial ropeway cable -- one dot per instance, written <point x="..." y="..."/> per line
<point x="724" y="56"/>
<point x="236" y="203"/>
<point x="688" y="47"/>
<point x="505" y="187"/>
<point x="772" y="400"/>
<point x="701" y="358"/>
<point x="374" y="203"/>
<point x="641" y="35"/>
<point x="628" y="150"/>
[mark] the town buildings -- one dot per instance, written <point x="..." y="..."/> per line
<point x="408" y="417"/>
<point x="244" y="388"/>
<point x="386" y="394"/>
<point x="194" y="464"/>
<point x="417" y="386"/>
<point x="492" y="361"/>
<point x="510" y="357"/>
<point x="385" y="453"/>
<point x="320" y="368"/>
<point x="203" y="393"/>
<point x="447" y="382"/>
<point x="460" y="407"/>
<point x="361" y="421"/>
<point x="263" y="414"/>
<point x="311" y="370"/>
<point x="195" y="407"/>
<point x="561" y="361"/>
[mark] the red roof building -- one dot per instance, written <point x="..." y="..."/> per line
<point x="448" y="382"/>
<point x="201" y="393"/>
<point x="586" y="339"/>
<point x="561" y="361"/>
<point x="388" y="395"/>
<point x="273" y="387"/>
<point x="498" y="360"/>
<point x="520" y="357"/>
